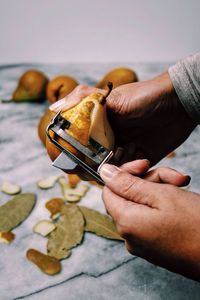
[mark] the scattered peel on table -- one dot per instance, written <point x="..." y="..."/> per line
<point x="10" y="189"/>
<point x="15" y="211"/>
<point x="7" y="237"/>
<point x="54" y="205"/>
<point x="55" y="217"/>
<point x="44" y="227"/>
<point x="72" y="194"/>
<point x="47" y="183"/>
<point x="96" y="184"/>
<point x="47" y="264"/>
<point x="171" y="154"/>
<point x="73" y="180"/>
<point x="72" y="198"/>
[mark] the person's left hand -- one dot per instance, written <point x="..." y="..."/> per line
<point x="158" y="220"/>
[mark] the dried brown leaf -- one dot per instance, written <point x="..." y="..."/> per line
<point x="15" y="211"/>
<point x="68" y="234"/>
<point x="100" y="224"/>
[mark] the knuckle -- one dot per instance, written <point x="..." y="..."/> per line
<point x="116" y="102"/>
<point x="122" y="224"/>
<point x="122" y="230"/>
<point x="130" y="186"/>
<point x="80" y="88"/>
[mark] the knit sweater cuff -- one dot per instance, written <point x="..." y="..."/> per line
<point x="185" y="76"/>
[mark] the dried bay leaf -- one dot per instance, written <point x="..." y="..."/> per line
<point x="99" y="224"/>
<point x="15" y="211"/>
<point x="68" y="234"/>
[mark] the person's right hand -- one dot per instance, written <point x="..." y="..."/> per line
<point x="158" y="220"/>
<point x="147" y="117"/>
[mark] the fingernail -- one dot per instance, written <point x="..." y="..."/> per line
<point x="57" y="105"/>
<point x="184" y="174"/>
<point x="147" y="162"/>
<point x="108" y="171"/>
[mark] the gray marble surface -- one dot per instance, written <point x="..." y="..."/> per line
<point x="98" y="269"/>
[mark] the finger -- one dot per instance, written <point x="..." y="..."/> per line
<point x="128" y="186"/>
<point x="167" y="175"/>
<point x="136" y="167"/>
<point x="74" y="98"/>
<point x="121" y="209"/>
<point x="129" y="152"/>
<point x="117" y="155"/>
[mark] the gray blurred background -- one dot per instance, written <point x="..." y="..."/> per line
<point x="98" y="31"/>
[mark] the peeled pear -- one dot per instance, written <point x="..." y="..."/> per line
<point x="59" y="87"/>
<point x="31" y="87"/>
<point x="88" y="119"/>
<point x="118" y="76"/>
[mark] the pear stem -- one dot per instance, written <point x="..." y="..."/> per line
<point x="110" y="86"/>
<point x="57" y="92"/>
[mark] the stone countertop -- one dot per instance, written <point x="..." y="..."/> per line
<point x="98" y="269"/>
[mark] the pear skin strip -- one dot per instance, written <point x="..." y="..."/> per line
<point x="47" y="183"/>
<point x="54" y="205"/>
<point x="47" y="264"/>
<point x="10" y="189"/>
<point x="73" y="180"/>
<point x="44" y="227"/>
<point x="7" y="237"/>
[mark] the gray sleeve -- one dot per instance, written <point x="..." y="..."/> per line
<point x="185" y="76"/>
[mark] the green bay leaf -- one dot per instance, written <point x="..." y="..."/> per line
<point x="99" y="224"/>
<point x="68" y="233"/>
<point x="15" y="211"/>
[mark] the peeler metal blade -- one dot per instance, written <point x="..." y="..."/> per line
<point x="64" y="163"/>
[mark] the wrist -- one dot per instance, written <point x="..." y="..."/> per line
<point x="165" y="84"/>
<point x="169" y="95"/>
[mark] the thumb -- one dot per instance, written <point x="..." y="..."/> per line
<point x="129" y="187"/>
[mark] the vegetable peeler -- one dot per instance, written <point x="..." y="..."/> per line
<point x="95" y="153"/>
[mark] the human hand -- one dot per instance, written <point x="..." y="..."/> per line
<point x="159" y="222"/>
<point x="147" y="118"/>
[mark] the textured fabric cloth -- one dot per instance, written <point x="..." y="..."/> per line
<point x="185" y="76"/>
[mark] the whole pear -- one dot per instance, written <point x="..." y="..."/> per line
<point x="31" y="87"/>
<point x="59" y="87"/>
<point x="42" y="125"/>
<point x="118" y="76"/>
